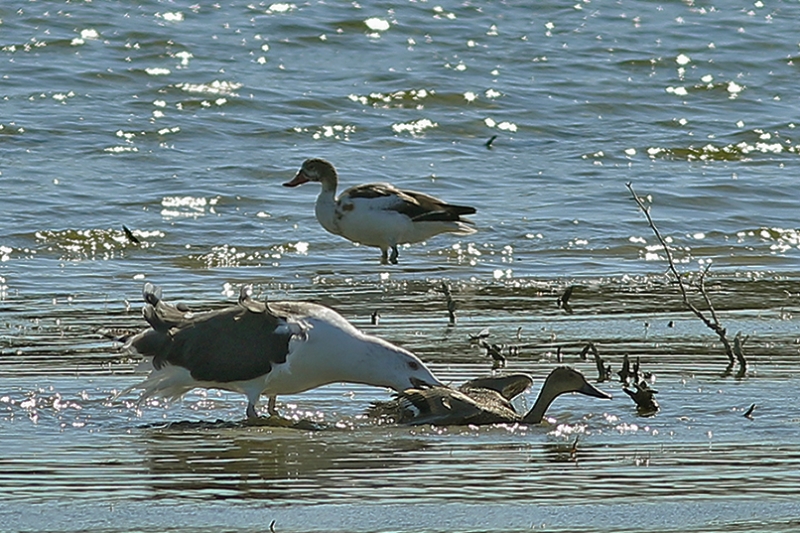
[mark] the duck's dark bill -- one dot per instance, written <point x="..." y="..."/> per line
<point x="590" y="390"/>
<point x="299" y="179"/>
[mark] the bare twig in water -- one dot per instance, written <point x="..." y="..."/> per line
<point x="585" y="350"/>
<point x="563" y="300"/>
<point x="488" y="144"/>
<point x="625" y="373"/>
<point x="495" y="351"/>
<point x="603" y="371"/>
<point x="477" y="338"/>
<point x="451" y="304"/>
<point x="129" y="234"/>
<point x="749" y="413"/>
<point x="738" y="351"/>
<point x="712" y="323"/>
<point x="573" y="451"/>
<point x="272" y="526"/>
<point x="635" y="374"/>
<point x="375" y="318"/>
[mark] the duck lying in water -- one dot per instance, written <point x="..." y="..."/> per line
<point x="481" y="401"/>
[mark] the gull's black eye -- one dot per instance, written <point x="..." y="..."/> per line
<point x="413" y="365"/>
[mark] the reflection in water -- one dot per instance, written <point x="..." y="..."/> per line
<point x="275" y="464"/>
<point x="435" y="465"/>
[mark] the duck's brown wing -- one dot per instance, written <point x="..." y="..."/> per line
<point x="433" y="209"/>
<point x="443" y="406"/>
<point x="509" y="386"/>
<point x="417" y="206"/>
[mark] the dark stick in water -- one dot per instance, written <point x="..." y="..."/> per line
<point x="734" y="352"/>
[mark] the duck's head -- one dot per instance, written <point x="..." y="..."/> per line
<point x="561" y="381"/>
<point x="317" y="170"/>
<point x="565" y="379"/>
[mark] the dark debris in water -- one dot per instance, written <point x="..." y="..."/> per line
<point x="644" y="397"/>
<point x="131" y="237"/>
<point x="92" y="244"/>
<point x="563" y="300"/>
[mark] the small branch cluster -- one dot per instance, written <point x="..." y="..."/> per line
<point x="603" y="370"/>
<point x="493" y="350"/>
<point x="734" y="352"/>
<point x="451" y="303"/>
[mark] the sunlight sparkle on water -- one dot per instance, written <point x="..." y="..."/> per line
<point x="185" y="206"/>
<point x="281" y="7"/>
<point x="87" y="34"/>
<point x="171" y="17"/>
<point x="215" y="87"/>
<point x="678" y="91"/>
<point x="415" y="128"/>
<point x="376" y="24"/>
<point x="567" y="430"/>
<point x="505" y="125"/>
<point x="734" y="89"/>
<point x="184" y="56"/>
<point x="337" y="131"/>
<point x="120" y="149"/>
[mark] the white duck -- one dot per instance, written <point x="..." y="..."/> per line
<point x="260" y="348"/>
<point x="379" y="214"/>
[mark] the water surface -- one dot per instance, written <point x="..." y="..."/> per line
<point x="180" y="121"/>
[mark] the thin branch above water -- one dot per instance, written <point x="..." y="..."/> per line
<point x="734" y="352"/>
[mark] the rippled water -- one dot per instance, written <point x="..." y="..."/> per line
<point x="180" y="121"/>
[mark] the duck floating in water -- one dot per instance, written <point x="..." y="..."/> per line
<point x="260" y="348"/>
<point x="481" y="401"/>
<point x="379" y="214"/>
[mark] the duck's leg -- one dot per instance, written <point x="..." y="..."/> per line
<point x="393" y="257"/>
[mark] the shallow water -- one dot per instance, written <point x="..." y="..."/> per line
<point x="181" y="121"/>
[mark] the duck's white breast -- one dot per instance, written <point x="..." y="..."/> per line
<point x="368" y="222"/>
